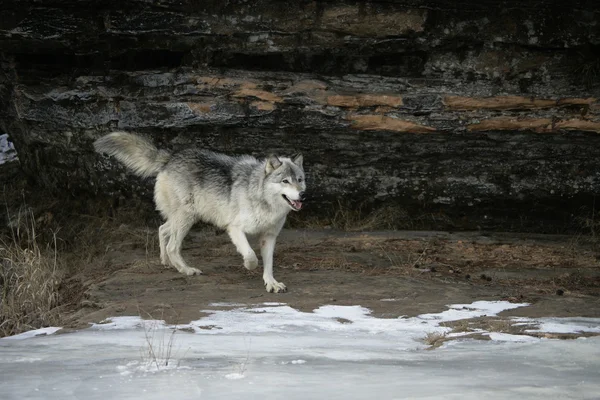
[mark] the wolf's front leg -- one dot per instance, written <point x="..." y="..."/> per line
<point x="238" y="237"/>
<point x="267" y="247"/>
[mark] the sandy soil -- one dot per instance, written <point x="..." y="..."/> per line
<point x="392" y="273"/>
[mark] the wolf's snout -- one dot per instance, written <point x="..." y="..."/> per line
<point x="295" y="204"/>
<point x="301" y="194"/>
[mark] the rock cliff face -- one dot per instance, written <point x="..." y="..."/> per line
<point x="486" y="112"/>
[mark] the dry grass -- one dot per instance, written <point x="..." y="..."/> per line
<point x="434" y="339"/>
<point x="502" y="326"/>
<point x="350" y="218"/>
<point x="405" y="260"/>
<point x="460" y="326"/>
<point x="487" y="324"/>
<point x="366" y="216"/>
<point x="159" y="352"/>
<point x="30" y="278"/>
<point x="355" y="217"/>
<point x="587" y="70"/>
<point x="335" y="262"/>
<point x="41" y="251"/>
<point x="159" y="346"/>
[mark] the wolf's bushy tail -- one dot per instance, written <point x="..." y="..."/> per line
<point x="135" y="152"/>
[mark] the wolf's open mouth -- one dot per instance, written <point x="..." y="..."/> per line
<point x="295" y="204"/>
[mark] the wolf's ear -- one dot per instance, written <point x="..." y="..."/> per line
<point x="297" y="159"/>
<point x="272" y="163"/>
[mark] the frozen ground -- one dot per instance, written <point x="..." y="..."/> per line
<point x="272" y="351"/>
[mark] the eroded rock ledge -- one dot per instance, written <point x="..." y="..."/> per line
<point x="484" y="113"/>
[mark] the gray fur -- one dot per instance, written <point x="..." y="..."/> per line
<point x="242" y="195"/>
<point x="135" y="152"/>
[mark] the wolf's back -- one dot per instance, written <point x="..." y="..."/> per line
<point x="135" y="152"/>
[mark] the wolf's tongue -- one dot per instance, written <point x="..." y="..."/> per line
<point x="297" y="204"/>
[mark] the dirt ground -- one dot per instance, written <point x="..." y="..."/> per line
<point x="110" y="267"/>
<point x="393" y="273"/>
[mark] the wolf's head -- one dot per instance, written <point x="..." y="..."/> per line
<point x="285" y="180"/>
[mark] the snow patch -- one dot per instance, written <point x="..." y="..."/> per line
<point x="295" y="362"/>
<point x="227" y="304"/>
<point x="473" y="310"/>
<point x="28" y="359"/>
<point x="507" y="337"/>
<point x="7" y="150"/>
<point x="33" y="333"/>
<point x="563" y="325"/>
<point x="277" y="317"/>
<point x="131" y="322"/>
<point x="235" y="376"/>
<point x="407" y="333"/>
<point x="149" y="366"/>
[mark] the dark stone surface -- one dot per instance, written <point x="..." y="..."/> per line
<point x="362" y="89"/>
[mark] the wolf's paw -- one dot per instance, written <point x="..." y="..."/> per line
<point x="189" y="271"/>
<point x="273" y="286"/>
<point x="251" y="262"/>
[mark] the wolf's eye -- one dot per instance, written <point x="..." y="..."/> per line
<point x="299" y="180"/>
<point x="286" y="181"/>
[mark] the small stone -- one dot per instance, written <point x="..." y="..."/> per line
<point x="560" y="292"/>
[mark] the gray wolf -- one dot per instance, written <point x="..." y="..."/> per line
<point x="241" y="195"/>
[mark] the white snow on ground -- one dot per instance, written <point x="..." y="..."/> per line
<point x="476" y="309"/>
<point x="128" y="323"/>
<point x="507" y="337"/>
<point x="272" y="351"/>
<point x="234" y="375"/>
<point x="149" y="365"/>
<point x="33" y="333"/>
<point x="566" y="325"/>
<point x="277" y="317"/>
<point x="7" y="150"/>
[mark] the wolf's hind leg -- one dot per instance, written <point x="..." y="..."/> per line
<point x="238" y="237"/>
<point x="179" y="225"/>
<point x="163" y="239"/>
